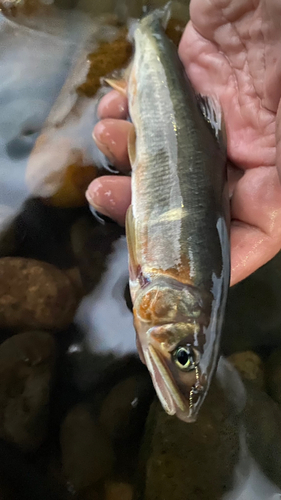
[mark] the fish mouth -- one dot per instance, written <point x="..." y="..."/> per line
<point x="170" y="397"/>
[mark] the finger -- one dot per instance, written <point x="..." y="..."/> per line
<point x="111" y="137"/>
<point x="250" y="249"/>
<point x="251" y="246"/>
<point x="256" y="224"/>
<point x="111" y="196"/>
<point x="113" y="105"/>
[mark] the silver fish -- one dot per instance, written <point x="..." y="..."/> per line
<point x="178" y="223"/>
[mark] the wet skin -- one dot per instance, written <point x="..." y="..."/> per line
<point x="230" y="48"/>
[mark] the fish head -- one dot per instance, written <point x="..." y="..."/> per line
<point x="174" y="363"/>
<point x="181" y="355"/>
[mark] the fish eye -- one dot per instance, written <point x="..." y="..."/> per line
<point x="186" y="357"/>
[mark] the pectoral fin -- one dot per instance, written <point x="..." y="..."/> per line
<point x="118" y="80"/>
<point x="119" y="85"/>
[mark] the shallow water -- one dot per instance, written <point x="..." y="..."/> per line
<point x="78" y="415"/>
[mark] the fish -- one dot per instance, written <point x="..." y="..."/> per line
<point x="177" y="225"/>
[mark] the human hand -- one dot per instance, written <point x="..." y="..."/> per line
<point x="230" y="49"/>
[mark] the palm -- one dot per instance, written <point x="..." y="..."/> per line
<point x="232" y="50"/>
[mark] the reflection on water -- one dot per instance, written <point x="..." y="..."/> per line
<point x="255" y="485"/>
<point x="30" y="84"/>
<point x="105" y="307"/>
<point x="23" y="106"/>
<point x="76" y="419"/>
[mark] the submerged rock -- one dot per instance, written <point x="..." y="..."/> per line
<point x="109" y="56"/>
<point x="191" y="461"/>
<point x="73" y="184"/>
<point x="35" y="295"/>
<point x="233" y="450"/>
<point x="26" y="367"/>
<point x="87" y="455"/>
<point x="12" y="8"/>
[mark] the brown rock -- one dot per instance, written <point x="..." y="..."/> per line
<point x="250" y="367"/>
<point x="203" y="460"/>
<point x="72" y="186"/>
<point x="109" y="57"/>
<point x="12" y="8"/>
<point x="118" y="491"/>
<point x="193" y="461"/>
<point x="87" y="454"/>
<point x="197" y="460"/>
<point x="35" y="295"/>
<point x="115" y="55"/>
<point x="26" y="367"/>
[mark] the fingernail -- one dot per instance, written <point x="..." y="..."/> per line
<point x="102" y="137"/>
<point x="93" y="196"/>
